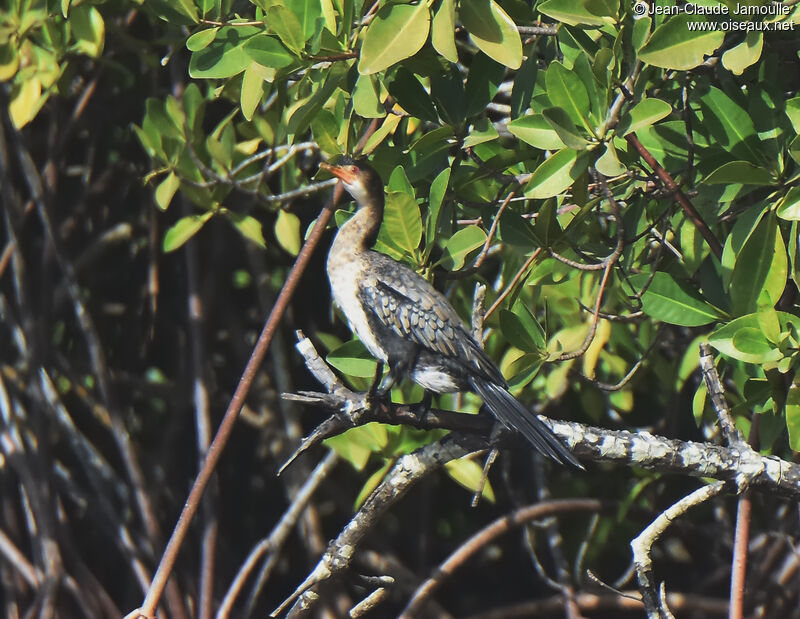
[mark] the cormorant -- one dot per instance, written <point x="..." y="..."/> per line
<point x="405" y="322"/>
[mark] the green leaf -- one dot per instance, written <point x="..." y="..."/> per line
<point x="742" y="230"/>
<point x="739" y="172"/>
<point x="666" y="142"/>
<point x="770" y="325"/>
<point x="645" y="113"/>
<point x="460" y="245"/>
<point x="674" y="45"/>
<point x="166" y="190"/>
<point x="398" y="181"/>
<point x="366" y="97"/>
<point x="522" y="371"/>
<point x="283" y="22"/>
<point x="723" y="338"/>
<point x="556" y="174"/>
<point x="372" y="482"/>
<point x="248" y="226"/>
<point x="793" y="112"/>
<point x="493" y="31"/>
<point x="562" y="124"/>
<point x="482" y="131"/>
<point x="397" y="32"/>
<point x="201" y="39"/>
<point x="483" y="80"/>
<point x="751" y="341"/>
<point x="308" y="13"/>
<point x="184" y="229"/>
<point x="522" y="330"/>
<point x="358" y="444"/>
<point x="572" y="12"/>
<point x="387" y="127"/>
<point x="789" y="207"/>
<point x="566" y="91"/>
<point x="524" y="84"/>
<point x="443" y="30"/>
<point x="761" y="268"/>
<point x="26" y="101"/>
<point x="267" y="51"/>
<point x="225" y="56"/>
<point x="447" y="91"/>
<point x="406" y="89"/>
<point x="469" y="474"/>
<point x="731" y="126"/>
<point x="89" y="30"/>
<point x="608" y="163"/>
<point x="302" y="115"/>
<point x="536" y="131"/>
<point x="402" y="221"/>
<point x="156" y="113"/>
<point x="9" y="61"/>
<point x="435" y="200"/>
<point x="666" y="300"/>
<point x="287" y="231"/>
<point x="699" y="403"/>
<point x="252" y="89"/>
<point x="641" y="32"/>
<point x="324" y="130"/>
<point x="746" y="54"/>
<point x="793" y="416"/>
<point x="352" y="358"/>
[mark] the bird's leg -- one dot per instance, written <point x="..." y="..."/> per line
<point x="379" y="390"/>
<point x="399" y="365"/>
<point x="376" y="381"/>
<point x="422" y="409"/>
<point x="487" y="464"/>
<point x="386" y="385"/>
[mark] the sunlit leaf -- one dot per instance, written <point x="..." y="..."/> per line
<point x="352" y="358"/>
<point x="469" y="474"/>
<point x="460" y="245"/>
<point x="676" y="45"/>
<point x="184" y="229"/>
<point x="493" y="31"/>
<point x="166" y="190"/>
<point x="443" y="30"/>
<point x="248" y="226"/>
<point x="287" y="231"/>
<point x="556" y="174"/>
<point x="397" y="32"/>
<point x="668" y="301"/>
<point x="402" y="221"/>
<point x="645" y="113"/>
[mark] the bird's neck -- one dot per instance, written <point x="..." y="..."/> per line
<point x="359" y="233"/>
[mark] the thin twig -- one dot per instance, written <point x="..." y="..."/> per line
<point x="473" y="268"/>
<point x="608" y="263"/>
<point x="273" y="542"/>
<point x="229" y="419"/>
<point x="652" y="595"/>
<point x="486" y="536"/>
<point x="680" y="197"/>
<point x="717" y="396"/>
<point x="217" y="446"/>
<point x="522" y="270"/>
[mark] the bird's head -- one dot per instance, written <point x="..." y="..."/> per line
<point x="359" y="178"/>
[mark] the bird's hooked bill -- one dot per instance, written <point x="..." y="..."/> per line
<point x="345" y="172"/>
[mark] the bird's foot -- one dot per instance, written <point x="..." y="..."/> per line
<point x="422" y="408"/>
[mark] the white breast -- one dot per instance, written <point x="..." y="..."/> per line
<point x="345" y="276"/>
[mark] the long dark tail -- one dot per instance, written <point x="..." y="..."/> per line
<point x="512" y="414"/>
